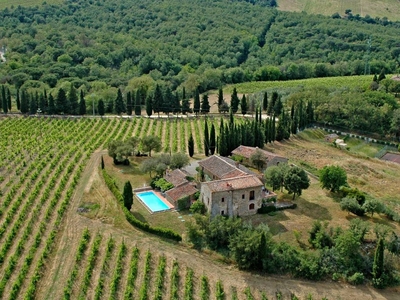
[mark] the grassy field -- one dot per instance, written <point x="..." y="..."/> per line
<point x="379" y="8"/>
<point x="362" y="81"/>
<point x="49" y="171"/>
<point x="15" y="3"/>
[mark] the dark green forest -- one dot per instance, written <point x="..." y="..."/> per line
<point x="101" y="44"/>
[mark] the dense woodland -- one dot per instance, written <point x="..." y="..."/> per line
<point x="100" y="45"/>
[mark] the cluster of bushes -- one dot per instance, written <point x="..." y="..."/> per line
<point x="161" y="184"/>
<point x="359" y="203"/>
<point x="332" y="253"/>
<point x="162" y="232"/>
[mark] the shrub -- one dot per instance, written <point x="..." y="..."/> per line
<point x="265" y="209"/>
<point x="352" y="205"/>
<point x="356" y="278"/>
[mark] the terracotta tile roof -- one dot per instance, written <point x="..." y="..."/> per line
<point x="176" y="177"/>
<point x="237" y="165"/>
<point x="220" y="168"/>
<point x="247" y="152"/>
<point x="180" y="191"/>
<point x="237" y="183"/>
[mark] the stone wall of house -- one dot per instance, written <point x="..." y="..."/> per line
<point x="231" y="203"/>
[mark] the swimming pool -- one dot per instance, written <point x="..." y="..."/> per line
<point x="152" y="201"/>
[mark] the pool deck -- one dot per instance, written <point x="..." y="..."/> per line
<point x="159" y="195"/>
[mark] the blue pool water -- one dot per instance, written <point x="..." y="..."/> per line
<point x="151" y="200"/>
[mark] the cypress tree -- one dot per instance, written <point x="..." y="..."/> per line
<point x="185" y="102"/>
<point x="119" y="103"/>
<point x="377" y="267"/>
<point x="205" y="105"/>
<point x="73" y="101"/>
<point x="102" y="163"/>
<point x="243" y="105"/>
<point x="168" y="101"/>
<point x="234" y="101"/>
<point x="157" y="100"/>
<point x="61" y="102"/>
<point x="206" y="139"/>
<point x="271" y="104"/>
<point x="24" y="103"/>
<point x="294" y="122"/>
<point x="4" y="99"/>
<point x="278" y="106"/>
<point x="138" y="102"/>
<point x="52" y="108"/>
<point x="176" y="107"/>
<point x="220" y="97"/>
<point x="310" y="113"/>
<point x="212" y="139"/>
<point x="273" y="129"/>
<point x="100" y="107"/>
<point x="381" y="75"/>
<point x="42" y="103"/>
<point x="375" y="79"/>
<point x="128" y="195"/>
<point x="33" y="105"/>
<point x="18" y="101"/>
<point x="82" y="104"/>
<point x="149" y="106"/>
<point x="196" y="103"/>
<point x="129" y="103"/>
<point x="262" y="252"/>
<point x="8" y="99"/>
<point x="265" y="102"/>
<point x="191" y="145"/>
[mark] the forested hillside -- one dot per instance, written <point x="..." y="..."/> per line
<point x="185" y="44"/>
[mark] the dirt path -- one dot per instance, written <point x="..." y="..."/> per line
<point x="61" y="264"/>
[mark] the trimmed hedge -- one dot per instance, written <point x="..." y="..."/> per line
<point x="162" y="232"/>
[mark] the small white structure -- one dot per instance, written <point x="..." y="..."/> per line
<point x="340" y="144"/>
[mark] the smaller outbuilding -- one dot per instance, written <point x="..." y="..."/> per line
<point x="331" y="137"/>
<point x="271" y="159"/>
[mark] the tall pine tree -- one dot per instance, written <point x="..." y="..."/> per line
<point x="128" y="195"/>
<point x="101" y="107"/>
<point x="191" y="145"/>
<point x="8" y="95"/>
<point x="82" y="104"/>
<point x="206" y="139"/>
<point x="61" y="102"/>
<point x="157" y="100"/>
<point x="243" y="105"/>
<point x="234" y="101"/>
<point x="196" y="103"/>
<point x="73" y="101"/>
<point x="149" y="106"/>
<point x="52" y="107"/>
<point x="24" y="102"/>
<point x="220" y="97"/>
<point x="212" y="140"/>
<point x="4" y="99"/>
<point x="205" y="105"/>
<point x="138" y="103"/>
<point x="129" y="103"/>
<point x="18" y="100"/>
<point x="265" y="102"/>
<point x="119" y="103"/>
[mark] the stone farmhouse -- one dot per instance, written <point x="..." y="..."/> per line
<point x="229" y="188"/>
<point x="246" y="152"/>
